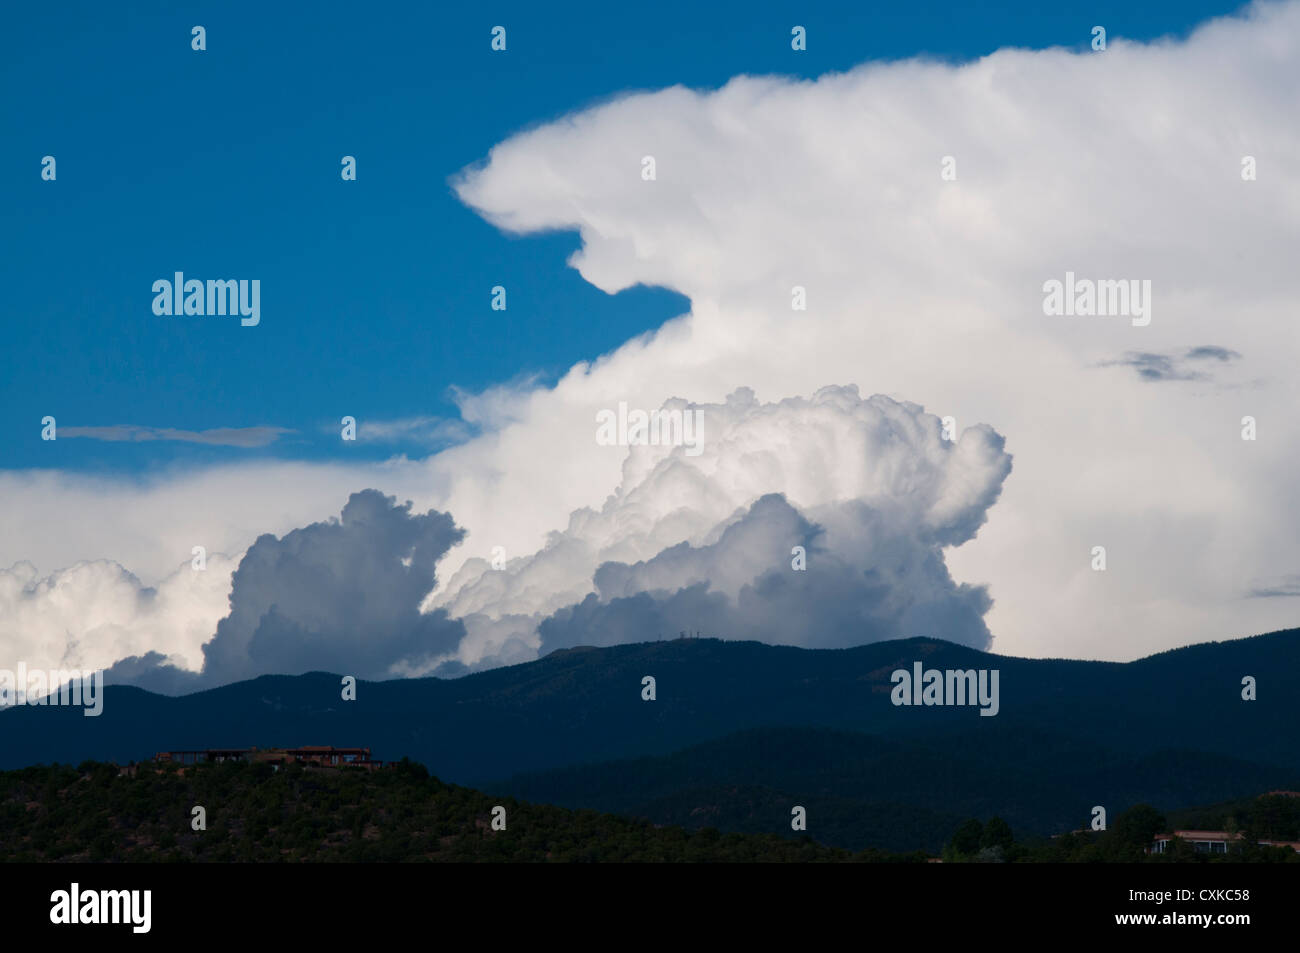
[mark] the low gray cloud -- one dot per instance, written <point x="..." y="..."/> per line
<point x="340" y="596"/>
<point x="1284" y="587"/>
<point x="153" y="673"/>
<point x="219" y="436"/>
<point x="868" y="578"/>
<point x="1151" y="366"/>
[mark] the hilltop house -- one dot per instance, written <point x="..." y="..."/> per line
<point x="322" y="756"/>
<point x="1205" y="842"/>
<point x="1211" y="842"/>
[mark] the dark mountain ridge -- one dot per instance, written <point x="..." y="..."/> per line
<point x="580" y="706"/>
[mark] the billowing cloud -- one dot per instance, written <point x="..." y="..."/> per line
<point x="341" y="596"/>
<point x="899" y="589"/>
<point x="704" y="535"/>
<point x="92" y="614"/>
<point x="338" y="596"/>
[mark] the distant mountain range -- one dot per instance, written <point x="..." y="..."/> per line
<point x="739" y="732"/>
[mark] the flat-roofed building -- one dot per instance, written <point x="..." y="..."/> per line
<point x="1207" y="842"/>
<point x="1211" y="842"/>
<point x="325" y="756"/>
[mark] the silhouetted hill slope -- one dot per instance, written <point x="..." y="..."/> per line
<point x="400" y="814"/>
<point x="1171" y="729"/>
<point x="1276" y="817"/>
<point x="94" y="812"/>
<point x="864" y="791"/>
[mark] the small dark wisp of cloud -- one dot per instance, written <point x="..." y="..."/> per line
<point x="1186" y="366"/>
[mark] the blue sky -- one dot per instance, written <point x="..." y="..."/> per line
<point x="375" y="293"/>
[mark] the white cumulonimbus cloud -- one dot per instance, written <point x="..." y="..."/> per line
<point x="1122" y="164"/>
<point x="1125" y="164"/>
<point x="869" y="490"/>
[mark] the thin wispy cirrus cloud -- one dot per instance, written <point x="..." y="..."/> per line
<point x="1123" y="164"/>
<point x="216" y="436"/>
<point x="428" y="432"/>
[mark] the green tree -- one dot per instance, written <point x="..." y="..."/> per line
<point x="997" y="833"/>
<point x="1136" y="828"/>
<point x="966" y="839"/>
